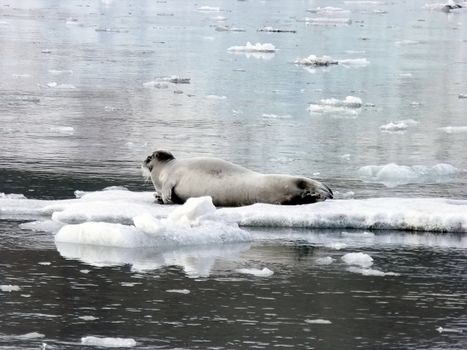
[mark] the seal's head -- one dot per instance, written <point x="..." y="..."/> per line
<point x="156" y="158"/>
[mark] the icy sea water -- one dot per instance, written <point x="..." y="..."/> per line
<point x="88" y="90"/>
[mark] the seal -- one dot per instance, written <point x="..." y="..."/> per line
<point x="228" y="184"/>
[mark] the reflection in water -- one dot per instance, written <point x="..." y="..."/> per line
<point x="196" y="261"/>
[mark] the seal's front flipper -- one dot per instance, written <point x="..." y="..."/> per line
<point x="158" y="197"/>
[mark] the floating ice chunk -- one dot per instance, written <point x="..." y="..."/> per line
<point x="156" y="84"/>
<point x="326" y="20"/>
<point x="325" y="260"/>
<point x="276" y="116"/>
<point x="349" y="106"/>
<point x="336" y="245"/>
<point x="329" y="10"/>
<point x="179" y="291"/>
<point x="60" y="72"/>
<point x="354" y="62"/>
<point x="108" y="342"/>
<point x="392" y="175"/>
<point x="9" y="288"/>
<point x="105" y="234"/>
<point x="362" y="2"/>
<point x="318" y="321"/>
<point x="209" y="9"/>
<point x="67" y="130"/>
<point x="195" y="222"/>
<point x="407" y="42"/>
<point x="88" y="318"/>
<point x="454" y="129"/>
<point x="32" y="335"/>
<point x="12" y="195"/>
<point x="258" y="47"/>
<point x="462" y="96"/>
<point x="216" y="97"/>
<point x="449" y="330"/>
<point x="447" y="7"/>
<point x="316" y="61"/>
<point x="229" y="29"/>
<point x="265" y="272"/>
<point x="349" y="102"/>
<point x="399" y="126"/>
<point x="359" y="259"/>
<point x="370" y="272"/>
<point x="193" y="211"/>
<point x="275" y="30"/>
<point x="149" y="225"/>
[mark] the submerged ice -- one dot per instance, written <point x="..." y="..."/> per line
<point x="392" y="174"/>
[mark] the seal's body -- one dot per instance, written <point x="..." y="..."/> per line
<point x="176" y="180"/>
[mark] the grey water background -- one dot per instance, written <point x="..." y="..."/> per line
<point x="75" y="115"/>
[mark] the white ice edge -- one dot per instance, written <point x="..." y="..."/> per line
<point x="120" y="207"/>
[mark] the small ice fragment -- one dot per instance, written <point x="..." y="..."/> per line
<point x="265" y="272"/>
<point x="179" y="291"/>
<point x="325" y="260"/>
<point x="209" y="9"/>
<point x="9" y="288"/>
<point x="462" y="96"/>
<point x="315" y="61"/>
<point x="52" y="84"/>
<point x="360" y="259"/>
<point x="448" y="330"/>
<point x="454" y="129"/>
<point x="88" y="318"/>
<point x="108" y="342"/>
<point x="192" y="211"/>
<point x="32" y="335"/>
<point x="216" y="97"/>
<point x="12" y="196"/>
<point x="46" y="51"/>
<point x="149" y="224"/>
<point x="318" y="321"/>
<point x="258" y="47"/>
<point x="394" y="127"/>
<point x="85" y="271"/>
<point x="45" y="263"/>
<point x="370" y="272"/>
<point x="336" y="245"/>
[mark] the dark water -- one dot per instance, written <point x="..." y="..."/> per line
<point x="229" y="310"/>
<point x="76" y="114"/>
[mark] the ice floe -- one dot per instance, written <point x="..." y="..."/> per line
<point x="327" y="260"/>
<point x="359" y="259"/>
<point x="258" y="47"/>
<point x="454" y="129"/>
<point x="351" y="105"/>
<point x="318" y="321"/>
<point x="264" y="272"/>
<point x="193" y="223"/>
<point x="31" y="335"/>
<point x="334" y="21"/>
<point x="325" y="61"/>
<point x="178" y="291"/>
<point x="120" y="207"/>
<point x="329" y="10"/>
<point x="9" y="288"/>
<point x="449" y="6"/>
<point x="370" y="272"/>
<point x="275" y="30"/>
<point x="398" y="126"/>
<point x="108" y="342"/>
<point x="230" y="29"/>
<point x="392" y="175"/>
